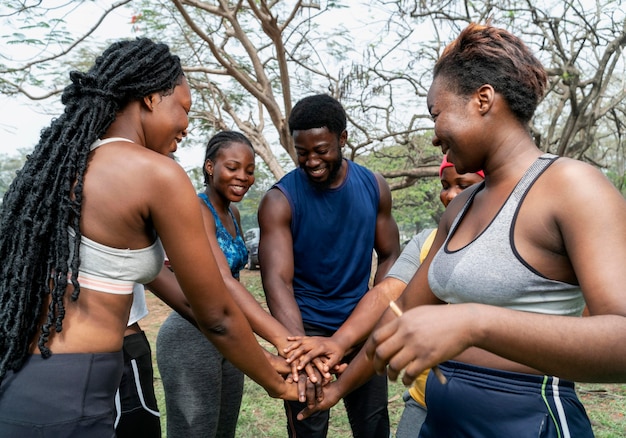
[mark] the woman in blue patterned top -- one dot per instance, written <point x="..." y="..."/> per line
<point x="203" y="390"/>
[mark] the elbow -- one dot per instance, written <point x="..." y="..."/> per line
<point x="217" y="330"/>
<point x="214" y="323"/>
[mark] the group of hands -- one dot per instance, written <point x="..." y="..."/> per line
<point x="311" y="363"/>
<point x="420" y="339"/>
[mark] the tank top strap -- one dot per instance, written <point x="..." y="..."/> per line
<point x="218" y="222"/>
<point x="531" y="175"/>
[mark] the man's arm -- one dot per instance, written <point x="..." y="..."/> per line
<point x="261" y="322"/>
<point x="387" y="239"/>
<point x="276" y="260"/>
<point x="371" y="307"/>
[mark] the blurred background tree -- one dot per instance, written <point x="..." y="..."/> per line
<point x="249" y="61"/>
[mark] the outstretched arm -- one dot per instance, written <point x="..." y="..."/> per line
<point x="261" y="321"/>
<point x="174" y="210"/>
<point x="276" y="260"/>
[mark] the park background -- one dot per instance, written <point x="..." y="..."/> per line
<point x="248" y="62"/>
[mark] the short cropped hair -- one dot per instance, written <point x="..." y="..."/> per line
<point x="318" y="111"/>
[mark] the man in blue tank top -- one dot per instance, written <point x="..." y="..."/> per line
<point x="319" y="226"/>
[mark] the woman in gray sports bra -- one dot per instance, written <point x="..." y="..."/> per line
<point x="516" y="259"/>
<point x="497" y="303"/>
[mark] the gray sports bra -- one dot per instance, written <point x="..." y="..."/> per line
<point x="489" y="269"/>
<point x="115" y="270"/>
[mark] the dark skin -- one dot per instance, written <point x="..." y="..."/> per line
<point x="555" y="238"/>
<point x="319" y="155"/>
<point x="363" y="319"/>
<point x="163" y="202"/>
<point x="231" y="174"/>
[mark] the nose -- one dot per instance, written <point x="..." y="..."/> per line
<point x="184" y="132"/>
<point x="312" y="160"/>
<point x="242" y="175"/>
<point x="447" y="195"/>
<point x="436" y="141"/>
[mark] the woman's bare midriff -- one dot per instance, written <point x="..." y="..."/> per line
<point x="482" y="358"/>
<point x="95" y="323"/>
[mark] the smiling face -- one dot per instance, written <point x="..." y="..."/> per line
<point x="167" y="118"/>
<point x="232" y="172"/>
<point x="453" y="183"/>
<point x="457" y="125"/>
<point x="319" y="155"/>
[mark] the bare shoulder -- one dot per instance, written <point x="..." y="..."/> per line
<point x="126" y="187"/>
<point x="272" y="199"/>
<point x="383" y="186"/>
<point x="573" y="181"/>
<point x="274" y="209"/>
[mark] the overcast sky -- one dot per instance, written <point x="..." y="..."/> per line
<point x="21" y="119"/>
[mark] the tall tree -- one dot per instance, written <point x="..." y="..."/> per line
<point x="250" y="60"/>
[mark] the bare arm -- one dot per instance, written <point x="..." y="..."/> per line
<point x="166" y="288"/>
<point x="177" y="218"/>
<point x="353" y="331"/>
<point x="276" y="260"/>
<point x="261" y="322"/>
<point x="387" y="239"/>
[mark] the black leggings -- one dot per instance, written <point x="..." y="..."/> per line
<point x="135" y="402"/>
<point x="66" y="395"/>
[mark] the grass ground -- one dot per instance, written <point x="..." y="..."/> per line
<point x="262" y="416"/>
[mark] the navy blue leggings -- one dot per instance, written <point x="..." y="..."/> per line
<point x="484" y="402"/>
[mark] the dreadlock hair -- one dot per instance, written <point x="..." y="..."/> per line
<point x="45" y="198"/>
<point x="220" y="141"/>
<point x="483" y="54"/>
<point x="318" y="111"/>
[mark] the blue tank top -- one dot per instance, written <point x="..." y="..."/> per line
<point x="234" y="248"/>
<point x="333" y="238"/>
<point x="489" y="269"/>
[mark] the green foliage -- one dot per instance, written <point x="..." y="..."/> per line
<point x="618" y="179"/>
<point x="418" y="206"/>
<point x="9" y="165"/>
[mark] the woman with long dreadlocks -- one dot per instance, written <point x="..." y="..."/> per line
<point x="86" y="218"/>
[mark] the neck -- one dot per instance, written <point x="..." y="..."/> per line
<point x="220" y="203"/>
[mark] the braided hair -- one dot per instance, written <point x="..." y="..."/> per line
<point x="45" y="198"/>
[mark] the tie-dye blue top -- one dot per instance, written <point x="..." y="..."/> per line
<point x="234" y="248"/>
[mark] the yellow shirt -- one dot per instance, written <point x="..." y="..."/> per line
<point x="418" y="389"/>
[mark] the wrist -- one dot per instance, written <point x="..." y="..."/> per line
<point x="342" y="341"/>
<point x="478" y="322"/>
